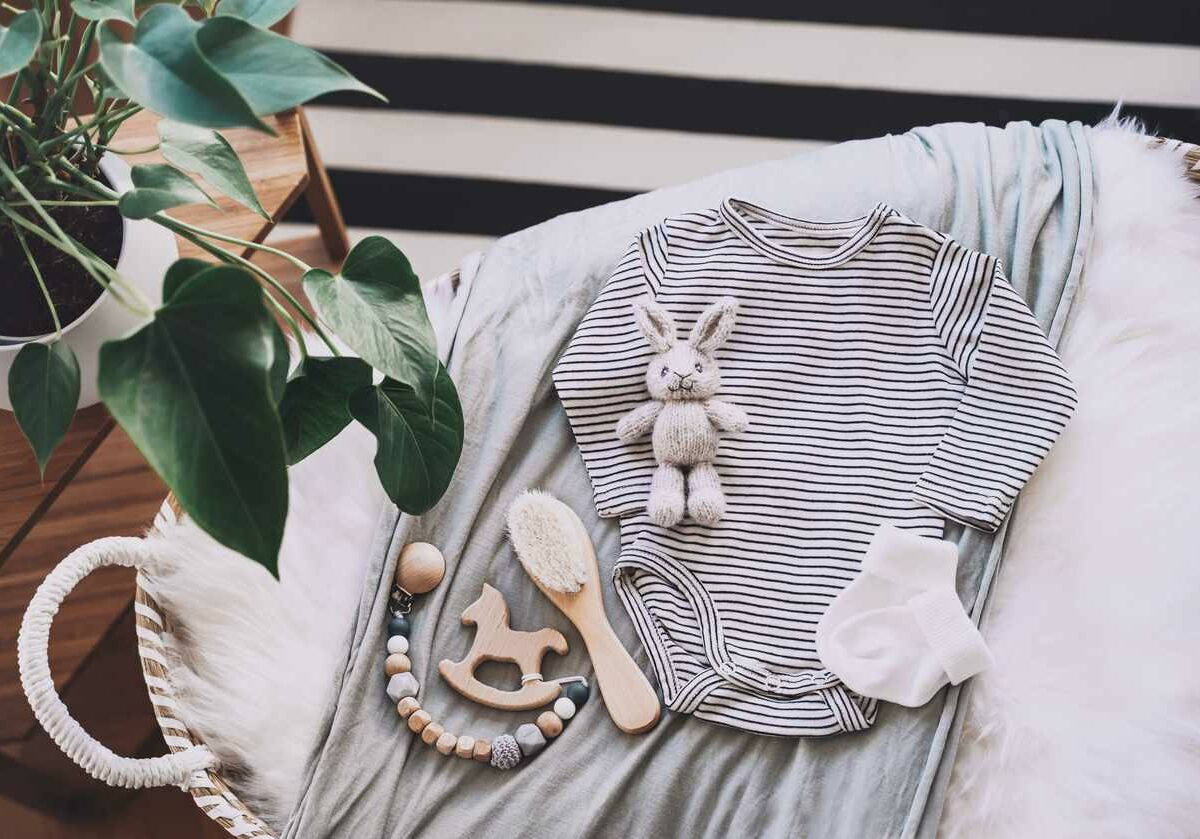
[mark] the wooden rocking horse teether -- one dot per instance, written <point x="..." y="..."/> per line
<point x="419" y="569"/>
<point x="496" y="641"/>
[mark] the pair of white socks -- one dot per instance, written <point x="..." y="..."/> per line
<point x="899" y="632"/>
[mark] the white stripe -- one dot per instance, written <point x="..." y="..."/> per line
<point x="765" y="51"/>
<point x="152" y="653"/>
<point x="430" y="254"/>
<point x="158" y="683"/>
<point x="468" y="146"/>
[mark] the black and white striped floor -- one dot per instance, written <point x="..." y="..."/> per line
<point x="501" y="115"/>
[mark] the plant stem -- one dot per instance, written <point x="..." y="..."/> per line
<point x="65" y="204"/>
<point x="303" y="266"/>
<point x="131" y="152"/>
<point x="195" y="234"/>
<point x="37" y="272"/>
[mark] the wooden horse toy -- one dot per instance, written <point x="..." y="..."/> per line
<point x="496" y="641"/>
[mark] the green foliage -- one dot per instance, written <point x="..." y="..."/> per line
<point x="216" y="73"/>
<point x="259" y="12"/>
<point x="203" y="388"/>
<point x="122" y="10"/>
<point x="270" y="71"/>
<point x="19" y="42"/>
<point x="209" y="155"/>
<point x="43" y="384"/>
<point x="158" y="186"/>
<point x="314" y="407"/>
<point x="418" y="444"/>
<point x="163" y="69"/>
<point x="192" y="388"/>
<point x="374" y="304"/>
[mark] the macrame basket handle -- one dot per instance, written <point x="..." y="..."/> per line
<point x="33" y="648"/>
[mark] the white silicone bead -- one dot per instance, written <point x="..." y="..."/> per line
<point x="397" y="644"/>
<point x="564" y="707"/>
<point x="402" y="685"/>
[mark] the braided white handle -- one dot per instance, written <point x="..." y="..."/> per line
<point x="34" y="660"/>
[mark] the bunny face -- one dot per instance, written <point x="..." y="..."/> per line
<point x="684" y="371"/>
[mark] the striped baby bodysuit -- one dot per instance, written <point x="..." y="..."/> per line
<point x="890" y="375"/>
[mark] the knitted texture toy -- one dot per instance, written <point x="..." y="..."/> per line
<point x="682" y="379"/>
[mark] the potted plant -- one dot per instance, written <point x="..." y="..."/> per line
<point x="189" y="356"/>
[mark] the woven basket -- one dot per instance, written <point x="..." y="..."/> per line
<point x="209" y="790"/>
<point x="190" y="764"/>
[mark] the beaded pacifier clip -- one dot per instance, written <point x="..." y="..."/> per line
<point x="419" y="570"/>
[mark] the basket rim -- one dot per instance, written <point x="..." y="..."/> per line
<point x="210" y="792"/>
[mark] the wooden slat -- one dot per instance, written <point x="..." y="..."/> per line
<point x="24" y="495"/>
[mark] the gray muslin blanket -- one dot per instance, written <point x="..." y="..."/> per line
<point x="1022" y="193"/>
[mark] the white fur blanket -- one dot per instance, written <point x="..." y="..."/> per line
<point x="1088" y="724"/>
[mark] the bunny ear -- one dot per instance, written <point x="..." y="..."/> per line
<point x="714" y="325"/>
<point x="656" y="324"/>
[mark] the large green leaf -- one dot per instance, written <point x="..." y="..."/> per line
<point x="181" y="271"/>
<point x="105" y="10"/>
<point x="192" y="389"/>
<point x="159" y="186"/>
<point x="281" y="365"/>
<point x="163" y="69"/>
<point x="315" y="404"/>
<point x="208" y="154"/>
<point x="43" y="385"/>
<point x="375" y="306"/>
<point x="259" y="12"/>
<point x="271" y="72"/>
<point x="417" y="448"/>
<point x="19" y="41"/>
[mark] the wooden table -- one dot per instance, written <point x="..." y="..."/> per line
<point x="97" y="484"/>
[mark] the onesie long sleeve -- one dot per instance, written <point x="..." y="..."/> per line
<point x="891" y="375"/>
<point x="1017" y="396"/>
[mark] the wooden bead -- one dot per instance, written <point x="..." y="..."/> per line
<point x="446" y="743"/>
<point x="550" y="723"/>
<point x="465" y="747"/>
<point x="420" y="568"/>
<point x="418" y="720"/>
<point x="432" y="732"/>
<point x="397" y="663"/>
<point x="483" y="750"/>
<point x="407" y="706"/>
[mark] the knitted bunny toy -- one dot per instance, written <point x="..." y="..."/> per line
<point x="682" y="380"/>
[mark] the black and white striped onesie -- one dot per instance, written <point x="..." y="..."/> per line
<point x="890" y="374"/>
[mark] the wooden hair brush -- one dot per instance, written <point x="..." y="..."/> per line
<point x="557" y="553"/>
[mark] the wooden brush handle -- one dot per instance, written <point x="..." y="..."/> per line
<point x="631" y="701"/>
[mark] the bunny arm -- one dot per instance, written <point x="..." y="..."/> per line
<point x="725" y="416"/>
<point x="639" y="421"/>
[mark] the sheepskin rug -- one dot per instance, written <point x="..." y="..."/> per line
<point x="1089" y="725"/>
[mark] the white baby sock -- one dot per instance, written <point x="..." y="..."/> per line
<point x="899" y="631"/>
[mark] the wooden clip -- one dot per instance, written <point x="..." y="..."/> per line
<point x="495" y="641"/>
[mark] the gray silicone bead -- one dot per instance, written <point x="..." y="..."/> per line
<point x="402" y="685"/>
<point x="530" y="738"/>
<point x="505" y="752"/>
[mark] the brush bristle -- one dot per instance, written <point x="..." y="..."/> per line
<point x="546" y="535"/>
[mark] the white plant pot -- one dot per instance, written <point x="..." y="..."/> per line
<point x="147" y="250"/>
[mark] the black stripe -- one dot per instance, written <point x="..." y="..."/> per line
<point x="646" y="100"/>
<point x="1111" y="20"/>
<point x="451" y="205"/>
